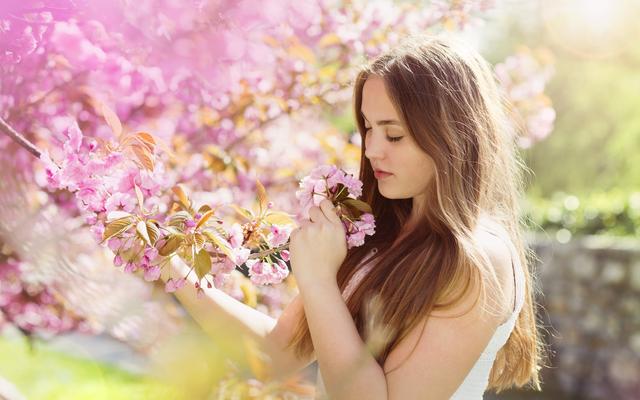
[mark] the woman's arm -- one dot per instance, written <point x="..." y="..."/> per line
<point x="221" y="317"/>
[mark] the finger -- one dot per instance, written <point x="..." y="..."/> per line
<point x="329" y="212"/>
<point x="316" y="215"/>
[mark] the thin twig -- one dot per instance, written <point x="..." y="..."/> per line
<point x="18" y="138"/>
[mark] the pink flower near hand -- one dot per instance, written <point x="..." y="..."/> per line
<point x="279" y="235"/>
<point x="355" y="239"/>
<point x="328" y="181"/>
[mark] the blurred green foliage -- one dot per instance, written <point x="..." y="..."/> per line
<point x="48" y="374"/>
<point x="614" y="213"/>
<point x="586" y="174"/>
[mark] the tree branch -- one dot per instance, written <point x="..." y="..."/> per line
<point x="18" y="138"/>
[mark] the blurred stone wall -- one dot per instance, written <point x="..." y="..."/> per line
<point x="591" y="311"/>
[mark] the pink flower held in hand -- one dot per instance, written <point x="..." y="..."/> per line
<point x="330" y="182"/>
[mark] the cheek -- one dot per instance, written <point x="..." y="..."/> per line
<point x="420" y="171"/>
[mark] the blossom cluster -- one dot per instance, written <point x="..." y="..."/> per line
<point x="330" y="182"/>
<point x="32" y="307"/>
<point x="524" y="77"/>
<point x="144" y="236"/>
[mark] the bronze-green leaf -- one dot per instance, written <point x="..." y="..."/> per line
<point x="116" y="227"/>
<point x="202" y="263"/>
<point x="199" y="240"/>
<point x="204" y="219"/>
<point x="343" y="192"/>
<point x="110" y="117"/>
<point x="143" y="155"/>
<point x="114" y="215"/>
<point x="242" y="212"/>
<point x="179" y="191"/>
<point x="262" y="196"/>
<point x="172" y="244"/>
<point x="153" y="231"/>
<point x="139" y="196"/>
<point x="141" y="228"/>
<point x="178" y="219"/>
<point x="358" y="204"/>
<point x="279" y="218"/>
<point x="217" y="242"/>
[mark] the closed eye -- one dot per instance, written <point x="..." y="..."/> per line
<point x="394" y="139"/>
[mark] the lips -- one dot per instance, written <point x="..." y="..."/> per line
<point x="380" y="174"/>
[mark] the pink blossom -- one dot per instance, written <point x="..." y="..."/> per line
<point x="117" y="261"/>
<point x="328" y="180"/>
<point x="130" y="267"/>
<point x="98" y="231"/>
<point x="120" y="202"/>
<point x="114" y="244"/>
<point x="172" y="285"/>
<point x="152" y="273"/>
<point x="240" y="255"/>
<point x="279" y="235"/>
<point x="236" y="237"/>
<point x="150" y="254"/>
<point x="259" y="272"/>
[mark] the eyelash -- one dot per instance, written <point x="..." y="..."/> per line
<point x="389" y="138"/>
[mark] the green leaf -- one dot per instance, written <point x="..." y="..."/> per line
<point x="202" y="263"/>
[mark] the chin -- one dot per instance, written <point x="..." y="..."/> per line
<point x="388" y="195"/>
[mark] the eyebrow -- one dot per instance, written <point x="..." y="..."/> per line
<point x="384" y="121"/>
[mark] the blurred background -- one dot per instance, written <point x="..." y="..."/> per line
<point x="239" y="94"/>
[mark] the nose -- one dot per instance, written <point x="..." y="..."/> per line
<point x="373" y="147"/>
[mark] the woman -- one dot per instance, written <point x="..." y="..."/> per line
<point x="439" y="303"/>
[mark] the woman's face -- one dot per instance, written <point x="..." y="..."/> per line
<point x="391" y="148"/>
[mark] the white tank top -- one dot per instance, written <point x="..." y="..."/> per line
<point x="477" y="380"/>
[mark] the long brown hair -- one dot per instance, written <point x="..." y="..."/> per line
<point x="447" y="98"/>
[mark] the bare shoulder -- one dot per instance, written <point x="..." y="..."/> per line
<point x="495" y="244"/>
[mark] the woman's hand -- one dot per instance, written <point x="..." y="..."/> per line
<point x="318" y="247"/>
